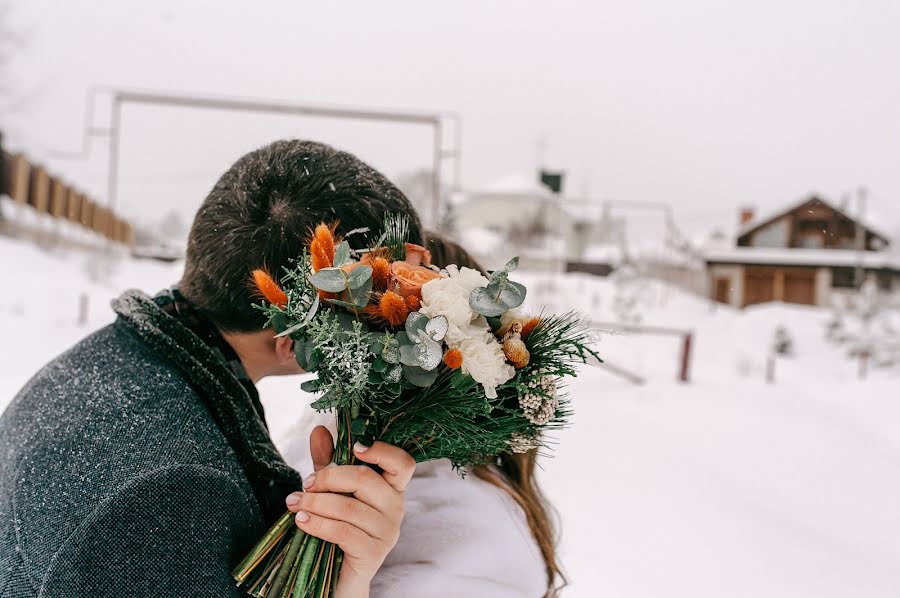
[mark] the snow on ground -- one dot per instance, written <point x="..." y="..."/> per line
<point x="725" y="486"/>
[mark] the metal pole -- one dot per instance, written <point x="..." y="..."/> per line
<point x="457" y="155"/>
<point x="436" y="177"/>
<point x="114" y="133"/>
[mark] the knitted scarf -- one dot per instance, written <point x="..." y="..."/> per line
<point x="232" y="401"/>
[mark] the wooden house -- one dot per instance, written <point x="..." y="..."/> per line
<point x="805" y="254"/>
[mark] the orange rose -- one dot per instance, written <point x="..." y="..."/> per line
<point x="410" y="278"/>
<point x="416" y="255"/>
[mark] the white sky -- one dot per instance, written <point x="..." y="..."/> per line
<point x="704" y="104"/>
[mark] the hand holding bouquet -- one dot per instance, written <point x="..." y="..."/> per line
<point x="440" y="363"/>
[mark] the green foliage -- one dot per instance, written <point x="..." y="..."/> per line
<point x="500" y="295"/>
<point x="396" y="235"/>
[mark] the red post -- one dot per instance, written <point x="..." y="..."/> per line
<point x="686" y="357"/>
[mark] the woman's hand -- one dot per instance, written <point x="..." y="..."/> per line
<point x="355" y="507"/>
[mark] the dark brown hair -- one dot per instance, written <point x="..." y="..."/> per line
<point x="260" y="214"/>
<point x="513" y="473"/>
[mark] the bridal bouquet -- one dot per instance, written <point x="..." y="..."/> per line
<point x="440" y="362"/>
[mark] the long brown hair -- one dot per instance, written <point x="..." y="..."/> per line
<point x="513" y="473"/>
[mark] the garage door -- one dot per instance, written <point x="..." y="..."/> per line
<point x="759" y="285"/>
<point x="800" y="286"/>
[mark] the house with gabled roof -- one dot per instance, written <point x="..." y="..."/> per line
<point x="807" y="253"/>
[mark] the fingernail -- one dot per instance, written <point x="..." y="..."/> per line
<point x="292" y="499"/>
<point x="359" y="447"/>
<point x="309" y="481"/>
<point x="302" y="517"/>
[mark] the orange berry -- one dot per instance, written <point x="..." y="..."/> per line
<point x="453" y="359"/>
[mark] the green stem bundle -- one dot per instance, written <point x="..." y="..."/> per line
<point x="289" y="563"/>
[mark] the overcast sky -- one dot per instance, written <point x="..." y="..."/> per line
<point x="706" y="104"/>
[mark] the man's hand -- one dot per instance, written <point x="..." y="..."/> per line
<point x="354" y="507"/>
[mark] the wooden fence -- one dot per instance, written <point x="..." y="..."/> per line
<point x="31" y="185"/>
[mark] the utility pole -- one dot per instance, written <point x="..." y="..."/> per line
<point x="859" y="273"/>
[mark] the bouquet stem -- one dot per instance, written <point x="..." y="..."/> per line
<point x="289" y="563"/>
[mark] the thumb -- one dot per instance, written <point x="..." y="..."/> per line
<point x="321" y="447"/>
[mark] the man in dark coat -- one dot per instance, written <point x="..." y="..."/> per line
<point x="138" y="463"/>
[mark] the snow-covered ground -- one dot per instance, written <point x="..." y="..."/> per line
<point x="725" y="486"/>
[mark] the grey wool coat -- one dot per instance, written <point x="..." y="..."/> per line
<point x="135" y="464"/>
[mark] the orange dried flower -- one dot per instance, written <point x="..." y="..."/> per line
<point x="453" y="359"/>
<point x="391" y="308"/>
<point x="321" y="248"/>
<point x="413" y="302"/>
<point x="381" y="272"/>
<point x="529" y="325"/>
<point x="269" y="288"/>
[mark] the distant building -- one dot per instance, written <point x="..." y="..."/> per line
<point x="805" y="254"/>
<point x="517" y="213"/>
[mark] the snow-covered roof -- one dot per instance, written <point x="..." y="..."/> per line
<point x="480" y="240"/>
<point x="777" y="256"/>
<point x="517" y="183"/>
<point x="771" y="215"/>
<point x="601" y="254"/>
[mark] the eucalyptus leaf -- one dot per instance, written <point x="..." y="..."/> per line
<point x="341" y="303"/>
<point x="430" y="354"/>
<point x="312" y="310"/>
<point x="330" y="280"/>
<point x="512" y="294"/>
<point x="342" y="254"/>
<point x="437" y="327"/>
<point x="511" y="264"/>
<point x="360" y="294"/>
<point x="418" y="376"/>
<point x="290" y="330"/>
<point x="403" y="339"/>
<point x="415" y="322"/>
<point x="394" y="374"/>
<point x="391" y="354"/>
<point x="410" y="354"/>
<point x="359" y="275"/>
<point x="379" y="365"/>
<point x="483" y="302"/>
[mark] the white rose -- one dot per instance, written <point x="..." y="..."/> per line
<point x="449" y="297"/>
<point x="483" y="359"/>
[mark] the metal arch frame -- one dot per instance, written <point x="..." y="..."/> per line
<point x="120" y="97"/>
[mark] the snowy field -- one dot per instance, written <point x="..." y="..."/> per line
<point x="727" y="486"/>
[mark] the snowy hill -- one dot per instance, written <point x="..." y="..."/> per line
<point x="726" y="486"/>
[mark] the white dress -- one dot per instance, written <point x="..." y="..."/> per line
<point x="460" y="537"/>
